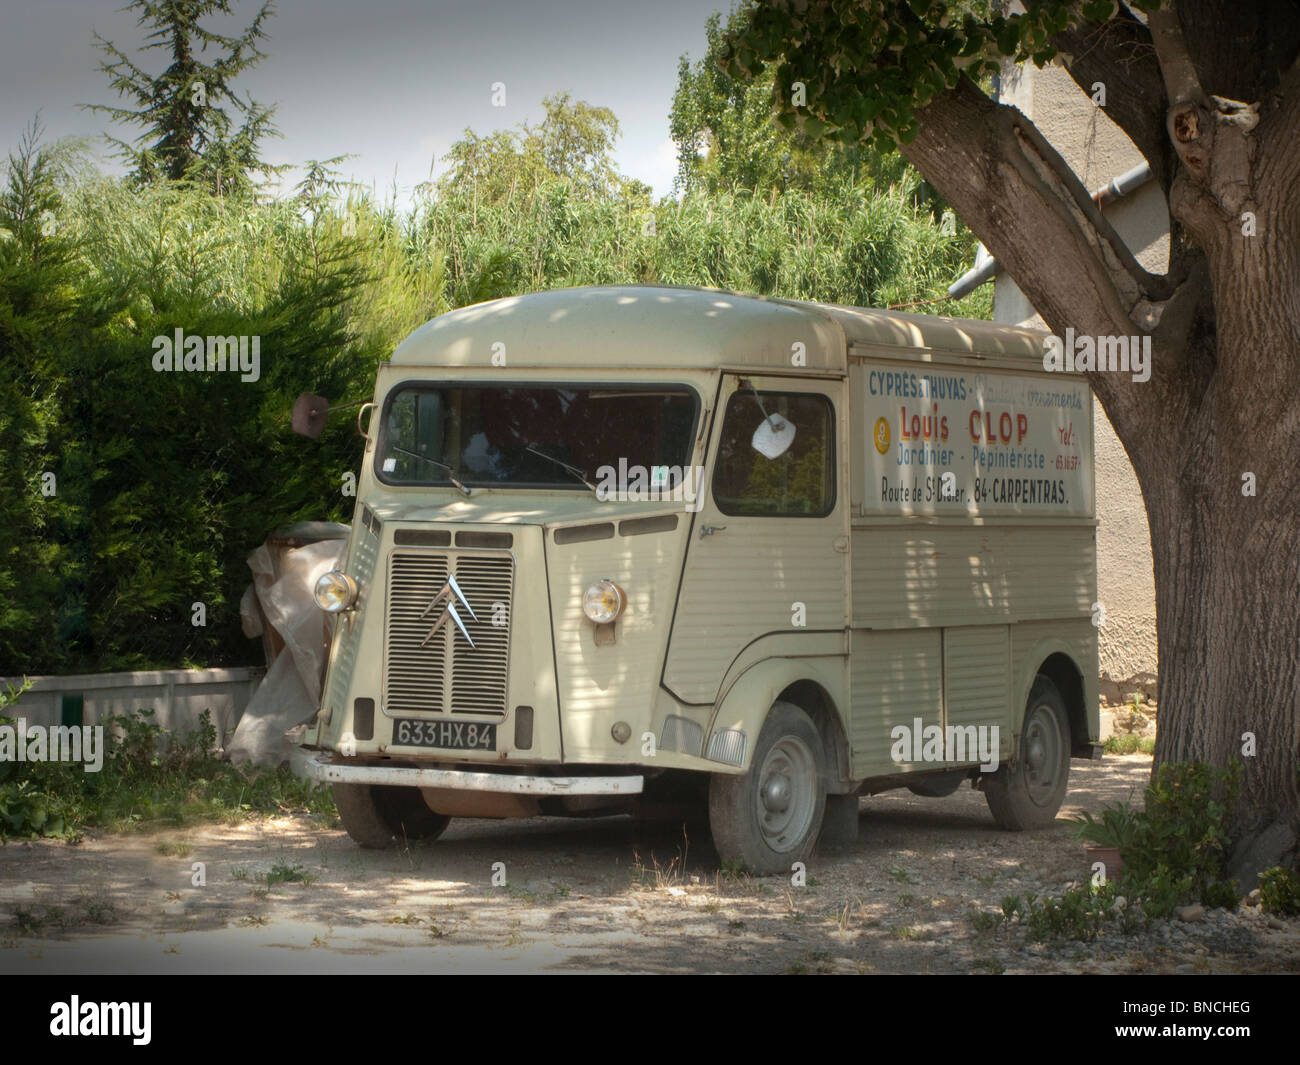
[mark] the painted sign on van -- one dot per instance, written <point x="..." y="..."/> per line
<point x="944" y="442"/>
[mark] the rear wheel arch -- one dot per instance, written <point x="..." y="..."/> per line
<point x="1067" y="678"/>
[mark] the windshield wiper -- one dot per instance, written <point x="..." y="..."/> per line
<point x="580" y="474"/>
<point x="434" y="462"/>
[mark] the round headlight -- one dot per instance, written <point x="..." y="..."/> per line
<point x="603" y="602"/>
<point x="335" y="591"/>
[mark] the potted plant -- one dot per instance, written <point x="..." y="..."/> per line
<point x="1106" y="836"/>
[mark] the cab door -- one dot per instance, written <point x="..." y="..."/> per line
<point x="767" y="562"/>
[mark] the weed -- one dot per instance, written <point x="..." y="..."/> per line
<point x="733" y="869"/>
<point x="29" y="922"/>
<point x="1279" y="891"/>
<point x="284" y="873"/>
<point x="98" y="907"/>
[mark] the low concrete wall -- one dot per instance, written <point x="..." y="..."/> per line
<point x="176" y="696"/>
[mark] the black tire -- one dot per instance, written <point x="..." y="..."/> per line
<point x="791" y="796"/>
<point x="378" y="816"/>
<point x="1029" y="795"/>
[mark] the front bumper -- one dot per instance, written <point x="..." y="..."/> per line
<point x="320" y="766"/>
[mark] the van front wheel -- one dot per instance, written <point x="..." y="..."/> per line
<point x="1029" y="795"/>
<point x="768" y="818"/>
<point x="377" y="815"/>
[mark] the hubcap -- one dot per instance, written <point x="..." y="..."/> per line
<point x="1042" y="753"/>
<point x="786" y="796"/>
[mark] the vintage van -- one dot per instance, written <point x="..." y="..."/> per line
<point x="619" y="549"/>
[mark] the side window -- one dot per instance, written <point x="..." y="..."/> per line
<point x="799" y="483"/>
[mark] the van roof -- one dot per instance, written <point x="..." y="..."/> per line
<point x="664" y="326"/>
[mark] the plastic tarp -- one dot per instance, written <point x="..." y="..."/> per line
<point x="289" y="694"/>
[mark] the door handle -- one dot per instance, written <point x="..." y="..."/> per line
<point x="709" y="530"/>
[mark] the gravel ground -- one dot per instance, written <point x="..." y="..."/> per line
<point x="609" y="895"/>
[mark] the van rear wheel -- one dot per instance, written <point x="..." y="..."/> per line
<point x="1030" y="795"/>
<point x="769" y="818"/>
<point x="377" y="816"/>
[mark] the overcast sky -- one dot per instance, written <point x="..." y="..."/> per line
<point x="393" y="82"/>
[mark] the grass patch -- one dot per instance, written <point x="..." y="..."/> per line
<point x="93" y="906"/>
<point x="1130" y="743"/>
<point x="149" y="779"/>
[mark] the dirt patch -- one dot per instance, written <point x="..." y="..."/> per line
<point x="600" y="895"/>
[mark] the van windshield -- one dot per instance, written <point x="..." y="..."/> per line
<point x="552" y="436"/>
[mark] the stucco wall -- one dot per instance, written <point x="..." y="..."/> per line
<point x="1098" y="151"/>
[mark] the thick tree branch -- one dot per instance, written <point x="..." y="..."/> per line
<point x="1019" y="197"/>
<point x="1188" y="121"/>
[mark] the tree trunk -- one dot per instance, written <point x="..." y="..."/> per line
<point x="1223" y="506"/>
<point x="1223" y="401"/>
<point x="1228" y="626"/>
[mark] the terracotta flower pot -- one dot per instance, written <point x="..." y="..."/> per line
<point x="1108" y="856"/>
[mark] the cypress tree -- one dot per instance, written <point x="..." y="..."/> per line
<point x="194" y="125"/>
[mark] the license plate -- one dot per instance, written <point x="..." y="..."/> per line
<point x="451" y="735"/>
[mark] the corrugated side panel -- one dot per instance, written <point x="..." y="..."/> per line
<point x="1079" y="634"/>
<point x="741" y="583"/>
<point x="343" y="656"/>
<point x="896" y="677"/>
<point x="990" y="574"/>
<point x="977" y="681"/>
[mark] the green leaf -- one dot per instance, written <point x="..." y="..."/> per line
<point x="1009" y="38"/>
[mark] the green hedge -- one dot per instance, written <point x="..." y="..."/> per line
<point x="166" y="481"/>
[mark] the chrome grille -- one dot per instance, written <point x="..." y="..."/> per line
<point x="445" y="674"/>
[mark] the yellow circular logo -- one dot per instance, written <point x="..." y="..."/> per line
<point x="882" y="435"/>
